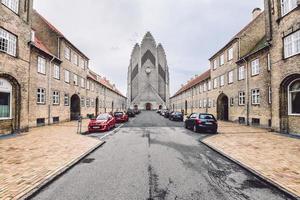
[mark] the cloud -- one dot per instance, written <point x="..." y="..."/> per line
<point x="190" y="31"/>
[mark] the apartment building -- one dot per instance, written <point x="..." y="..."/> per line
<point x="44" y="78"/>
<point x="15" y="33"/>
<point x="254" y="78"/>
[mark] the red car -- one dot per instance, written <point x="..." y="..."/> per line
<point x="104" y="122"/>
<point x="121" y="117"/>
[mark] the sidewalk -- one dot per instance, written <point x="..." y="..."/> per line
<point x="275" y="157"/>
<point x="28" y="160"/>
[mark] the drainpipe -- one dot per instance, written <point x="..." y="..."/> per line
<point x="247" y="90"/>
<point x="49" y="90"/>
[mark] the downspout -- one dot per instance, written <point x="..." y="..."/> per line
<point x="49" y="90"/>
<point x="247" y="90"/>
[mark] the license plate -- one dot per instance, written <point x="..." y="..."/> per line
<point x="209" y="123"/>
<point x="96" y="126"/>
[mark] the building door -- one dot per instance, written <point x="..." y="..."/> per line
<point x="75" y="107"/>
<point x="148" y="106"/>
<point x="223" y="108"/>
<point x="97" y="107"/>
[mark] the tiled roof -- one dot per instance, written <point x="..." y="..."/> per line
<point x="54" y="29"/>
<point x="262" y="44"/>
<point x="194" y="82"/>
<point x="39" y="44"/>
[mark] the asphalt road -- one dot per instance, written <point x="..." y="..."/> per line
<point x="152" y="158"/>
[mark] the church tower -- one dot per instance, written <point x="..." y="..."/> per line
<point x="148" y="76"/>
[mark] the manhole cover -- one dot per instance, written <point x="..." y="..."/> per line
<point x="88" y="160"/>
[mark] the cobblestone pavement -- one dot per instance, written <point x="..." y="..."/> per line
<point x="27" y="160"/>
<point x="272" y="155"/>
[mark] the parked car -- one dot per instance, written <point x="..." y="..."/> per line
<point x="167" y="113"/>
<point x="136" y="111"/>
<point x="176" y="116"/>
<point x="201" y="122"/>
<point x="104" y="122"/>
<point x="121" y="117"/>
<point x="163" y="112"/>
<point x="158" y="111"/>
<point x="130" y="113"/>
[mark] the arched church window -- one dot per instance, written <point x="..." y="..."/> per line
<point x="294" y="97"/>
<point x="5" y="99"/>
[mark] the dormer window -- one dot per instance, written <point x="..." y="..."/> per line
<point x="11" y="4"/>
<point x="287" y="6"/>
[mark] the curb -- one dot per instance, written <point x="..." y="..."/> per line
<point x="59" y="173"/>
<point x="254" y="172"/>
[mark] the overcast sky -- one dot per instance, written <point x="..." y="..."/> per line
<point x="190" y="30"/>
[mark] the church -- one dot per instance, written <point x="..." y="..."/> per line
<point x="148" y="76"/>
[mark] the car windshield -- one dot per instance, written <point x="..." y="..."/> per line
<point x="103" y="117"/>
<point x="118" y="114"/>
<point x="206" y="117"/>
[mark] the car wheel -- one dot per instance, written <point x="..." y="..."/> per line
<point x="195" y="129"/>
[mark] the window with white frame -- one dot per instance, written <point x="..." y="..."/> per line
<point x="55" y="98"/>
<point x="56" y="72"/>
<point x="75" y="79"/>
<point x="241" y="73"/>
<point x="222" y="60"/>
<point x="255" y="67"/>
<point x="86" y="63"/>
<point x="205" y="87"/>
<point x="66" y="99"/>
<point x="92" y="87"/>
<point x="75" y="59"/>
<point x="255" y="94"/>
<point x="87" y="102"/>
<point x="215" y="83"/>
<point x="292" y="44"/>
<point x="222" y="80"/>
<point x="82" y="102"/>
<point x="230" y="77"/>
<point x="82" y="82"/>
<point x="41" y="96"/>
<point x="8" y="42"/>
<point x="87" y="84"/>
<point x="67" y="53"/>
<point x="230" y="54"/>
<point x="209" y="85"/>
<point x="81" y="63"/>
<point x="215" y="64"/>
<point x="67" y="76"/>
<point x="41" y="65"/>
<point x="209" y="103"/>
<point x="201" y="88"/>
<point x="12" y="4"/>
<point x="5" y="99"/>
<point x="287" y="6"/>
<point x="294" y="97"/>
<point x="204" y="103"/>
<point x="242" y="98"/>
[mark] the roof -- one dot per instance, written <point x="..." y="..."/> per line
<point x="193" y="82"/>
<point x="39" y="45"/>
<point x="54" y="29"/>
<point x="238" y="35"/>
<point x="262" y="44"/>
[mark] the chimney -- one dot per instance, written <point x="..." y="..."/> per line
<point x="255" y="12"/>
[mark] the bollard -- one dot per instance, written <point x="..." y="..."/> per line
<point x="79" y="125"/>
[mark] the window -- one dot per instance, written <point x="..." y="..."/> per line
<point x="230" y="54"/>
<point x="92" y="102"/>
<point x="41" y="65"/>
<point x="209" y="103"/>
<point x="75" y="79"/>
<point x="292" y="44"/>
<point x="66" y="99"/>
<point x="215" y="83"/>
<point x="56" y="73"/>
<point x="287" y="6"/>
<point x="82" y="101"/>
<point x="92" y="87"/>
<point x="8" y="42"/>
<point x="12" y="4"/>
<point x="205" y="87"/>
<point x="255" y="96"/>
<point x="242" y="99"/>
<point x="209" y="85"/>
<point x="222" y="80"/>
<point x="82" y="82"/>
<point x="222" y="59"/>
<point x="231" y="101"/>
<point x="200" y="104"/>
<point x="255" y="67"/>
<point x="204" y="103"/>
<point x="55" y="99"/>
<point x="40" y="122"/>
<point x="270" y="95"/>
<point x="67" y="76"/>
<point x="87" y="102"/>
<point x="41" y="96"/>
<point x="230" y="77"/>
<point x="75" y="59"/>
<point x="241" y="73"/>
<point x="87" y="84"/>
<point x="294" y="98"/>
<point x="215" y="64"/>
<point x="81" y="63"/>
<point x="5" y="99"/>
<point x="67" y="53"/>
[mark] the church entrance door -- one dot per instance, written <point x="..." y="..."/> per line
<point x="148" y="106"/>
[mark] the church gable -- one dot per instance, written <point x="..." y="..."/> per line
<point x="148" y="56"/>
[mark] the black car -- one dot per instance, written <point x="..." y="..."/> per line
<point x="176" y="116"/>
<point x="199" y="122"/>
<point x="130" y="113"/>
<point x="167" y="114"/>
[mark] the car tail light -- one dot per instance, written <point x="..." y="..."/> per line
<point x="198" y="121"/>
